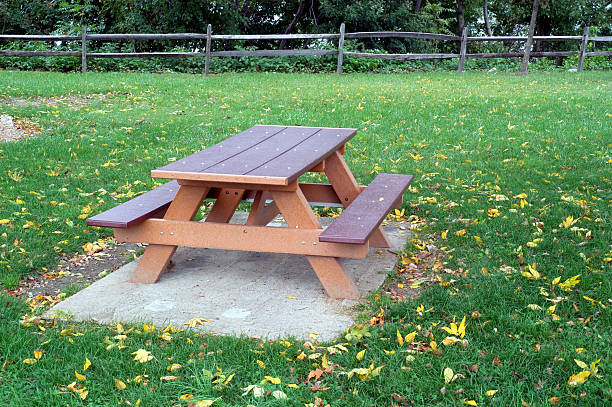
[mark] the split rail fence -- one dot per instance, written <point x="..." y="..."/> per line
<point x="462" y="40"/>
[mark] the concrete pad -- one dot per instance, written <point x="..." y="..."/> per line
<point x="256" y="294"/>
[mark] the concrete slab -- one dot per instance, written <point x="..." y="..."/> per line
<point x="256" y="294"/>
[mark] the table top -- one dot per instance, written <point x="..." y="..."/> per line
<point x="268" y="155"/>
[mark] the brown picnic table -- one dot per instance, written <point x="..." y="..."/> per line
<point x="261" y="164"/>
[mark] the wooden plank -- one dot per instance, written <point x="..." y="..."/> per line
<point x="400" y="56"/>
<point x="601" y="38"/>
<point x="367" y="211"/>
<point x="221" y="180"/>
<point x="400" y="34"/>
<point x="264" y="152"/>
<point x="306" y="155"/>
<point x="524" y="38"/>
<point x="137" y="209"/>
<point x="15" y="37"/>
<point x="345" y="185"/>
<point x="227" y="148"/>
<point x="237" y="237"/>
<point x="274" y="36"/>
<point x="273" y="53"/>
<point x="597" y="53"/>
<point x="40" y="53"/>
<point x="142" y="37"/>
<point x="145" y="54"/>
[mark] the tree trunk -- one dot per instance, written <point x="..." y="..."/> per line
<point x="417" y="6"/>
<point x="534" y="16"/>
<point x="486" y="18"/>
<point x="293" y="23"/>
<point x="460" y="16"/>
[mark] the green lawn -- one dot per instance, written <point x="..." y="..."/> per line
<point x="512" y="183"/>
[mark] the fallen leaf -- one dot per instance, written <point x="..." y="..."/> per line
<point x="578" y="378"/>
<point x="86" y="365"/>
<point x="79" y="376"/>
<point x="491" y="393"/>
<point x="142" y="356"/>
<point x="169" y="378"/>
<point x="360" y="355"/>
<point x="119" y="384"/>
<point x="448" y="375"/>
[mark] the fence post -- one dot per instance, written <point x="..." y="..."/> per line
<point x="83" y="49"/>
<point x="534" y="16"/>
<point x="585" y="39"/>
<point x="340" y="49"/>
<point x="208" y="42"/>
<point x="462" y="50"/>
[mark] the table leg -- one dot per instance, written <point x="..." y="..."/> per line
<point x="260" y="213"/>
<point x="225" y="205"/>
<point x="185" y="205"/>
<point x="346" y="187"/>
<point x="331" y="272"/>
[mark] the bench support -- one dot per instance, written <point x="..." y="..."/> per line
<point x="185" y="205"/>
<point x="331" y="272"/>
<point x="347" y="189"/>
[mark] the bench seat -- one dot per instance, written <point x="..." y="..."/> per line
<point x="361" y="218"/>
<point x="138" y="209"/>
<point x="155" y="202"/>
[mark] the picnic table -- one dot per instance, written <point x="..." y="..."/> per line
<point x="261" y="164"/>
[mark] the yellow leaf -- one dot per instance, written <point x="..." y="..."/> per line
<point x="169" y="378"/>
<point x="471" y="403"/>
<point x="400" y="338"/>
<point x="555" y="400"/>
<point x="86" y="365"/>
<point x="292" y="385"/>
<point x="324" y="361"/>
<point x="4" y="221"/>
<point x="273" y="380"/>
<point x="30" y="361"/>
<point x="205" y="403"/>
<point x="37" y="354"/>
<point x="578" y="378"/>
<point x="360" y="355"/>
<point x="174" y="367"/>
<point x="490" y="393"/>
<point x="409" y="338"/>
<point x="142" y="356"/>
<point x="556" y="280"/>
<point x="192" y="323"/>
<point x="448" y="375"/>
<point x="261" y="364"/>
<point x="461" y="330"/>
<point x="119" y="384"/>
<point x="79" y="376"/>
<point x="186" y="396"/>
<point x="581" y="364"/>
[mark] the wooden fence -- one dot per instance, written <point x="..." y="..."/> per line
<point x="462" y="41"/>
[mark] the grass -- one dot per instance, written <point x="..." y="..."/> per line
<point x="512" y="185"/>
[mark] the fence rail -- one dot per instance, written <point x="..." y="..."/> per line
<point x="462" y="40"/>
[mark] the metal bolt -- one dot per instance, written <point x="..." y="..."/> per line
<point x="245" y="231"/>
<point x="171" y="233"/>
<point x="161" y="233"/>
<point x="314" y="243"/>
<point x="303" y="242"/>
